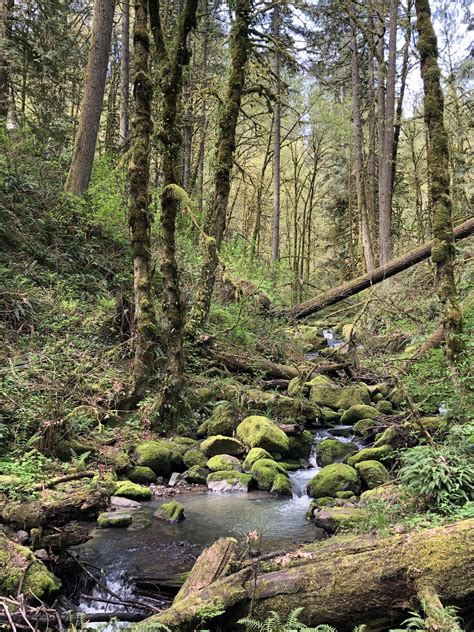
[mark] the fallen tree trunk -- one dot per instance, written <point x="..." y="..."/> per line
<point x="331" y="297"/>
<point x="342" y="581"/>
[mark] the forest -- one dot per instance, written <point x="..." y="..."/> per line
<point x="236" y="315"/>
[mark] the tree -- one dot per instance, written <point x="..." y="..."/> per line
<point x="6" y="8"/>
<point x="276" y="139"/>
<point x="92" y="98"/>
<point x="124" y="72"/>
<point x="438" y="168"/>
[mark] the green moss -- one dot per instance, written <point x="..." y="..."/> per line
<point x="300" y="446"/>
<point x="391" y="436"/>
<point x="196" y="475"/>
<point x="223" y="421"/>
<point x="331" y="450"/>
<point x="364" y="427"/>
<point x="381" y="453"/>
<point x="332" y="519"/>
<point x="234" y="481"/>
<point x="339" y="397"/>
<point x="281" y="485"/>
<point x="193" y="457"/>
<point x="373" y="473"/>
<point x="219" y="444"/>
<point x="397" y="397"/>
<point x="358" y="412"/>
<point x="260" y="432"/>
<point x="264" y="471"/>
<point x="254" y="455"/>
<point x="384" y="406"/>
<point x="155" y="455"/>
<point x="111" y="519"/>
<point x="127" y="489"/>
<point x="172" y="512"/>
<point x="183" y="444"/>
<point x="379" y="389"/>
<point x="221" y="462"/>
<point x="141" y="475"/>
<point x="334" y="478"/>
<point x="295" y="388"/>
<point x="69" y="448"/>
<point x="330" y="416"/>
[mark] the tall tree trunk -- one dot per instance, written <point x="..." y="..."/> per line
<point x="140" y="217"/>
<point x="217" y="211"/>
<point x="92" y="98"/>
<point x="276" y="138"/>
<point x="443" y="252"/>
<point x="124" y="73"/>
<point x="385" y="175"/>
<point x="111" y="118"/>
<point x="6" y="8"/>
<point x="358" y="157"/>
<point x="371" y="179"/>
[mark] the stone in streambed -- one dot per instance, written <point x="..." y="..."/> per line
<point x="265" y="471"/>
<point x="255" y="454"/>
<point x="219" y="444"/>
<point x="259" y="432"/>
<point x="357" y="412"/>
<point x="365" y="427"/>
<point x="119" y="502"/>
<point x="300" y="446"/>
<point x="373" y="473"/>
<point x="112" y="519"/>
<point x="334" y="478"/>
<point x="172" y="512"/>
<point x="382" y="453"/>
<point x="154" y="454"/>
<point x="227" y="481"/>
<point x="339" y="397"/>
<point x="196" y="475"/>
<point x="132" y="490"/>
<point x="331" y="450"/>
<point x="221" y="462"/>
<point x="384" y="406"/>
<point x="332" y="519"/>
<point x="193" y="457"/>
<point x="141" y="475"/>
<point x="281" y="485"/>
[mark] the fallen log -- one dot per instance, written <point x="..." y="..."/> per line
<point x="434" y="341"/>
<point x="343" y="581"/>
<point x="331" y="297"/>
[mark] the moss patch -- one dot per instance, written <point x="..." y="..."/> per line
<point x="265" y="471"/>
<point x="141" y="474"/>
<point x="253" y="456"/>
<point x="382" y="453"/>
<point x="331" y="450"/>
<point x="219" y="444"/>
<point x="172" y="512"/>
<point x="111" y="519"/>
<point x="155" y="455"/>
<point x="127" y="489"/>
<point x="334" y="478"/>
<point x="260" y="432"/>
<point x="373" y="473"/>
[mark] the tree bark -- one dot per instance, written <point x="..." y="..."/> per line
<point x="350" y="288"/>
<point x="276" y="139"/>
<point x="92" y="99"/>
<point x="124" y="73"/>
<point x="443" y="252"/>
<point x="341" y="581"/>
<point x="6" y="8"/>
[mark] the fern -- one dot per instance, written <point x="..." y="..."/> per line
<point x="273" y="623"/>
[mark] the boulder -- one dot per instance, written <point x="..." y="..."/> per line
<point x="260" y="432"/>
<point x="372" y="473"/>
<point x="218" y="444"/>
<point x="223" y="421"/>
<point x="397" y="397"/>
<point x="382" y="453"/>
<point x="119" y="502"/>
<point x="227" y="481"/>
<point x="331" y="450"/>
<point x="68" y="449"/>
<point x="300" y="446"/>
<point x="330" y="416"/>
<point x="334" y="478"/>
<point x="172" y="512"/>
<point x="358" y="412"/>
<point x="332" y="519"/>
<point x="113" y="519"/>
<point x="337" y="397"/>
<point x="193" y="457"/>
<point x="141" y="474"/>
<point x="175" y="478"/>
<point x="132" y="490"/>
<point x="379" y="389"/>
<point x="392" y="436"/>
<point x="384" y="406"/>
<point x="264" y="471"/>
<point x="295" y="387"/>
<point x="183" y="444"/>
<point x="365" y="427"/>
<point x="221" y="462"/>
<point x="196" y="475"/>
<point x="154" y="454"/>
<point x="281" y="485"/>
<point x="254" y="455"/>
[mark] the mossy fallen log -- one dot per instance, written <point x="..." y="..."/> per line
<point x="343" y="581"/>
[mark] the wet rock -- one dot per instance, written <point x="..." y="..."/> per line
<point x="334" y="478"/>
<point x="254" y="455"/>
<point x="141" y="474"/>
<point x="281" y="485"/>
<point x="172" y="512"/>
<point x="384" y="406"/>
<point x="219" y="444"/>
<point x="42" y="554"/>
<point x="132" y="490"/>
<point x="221" y="462"/>
<point x="175" y="479"/>
<point x="196" y="475"/>
<point x="392" y="436"/>
<point x="265" y="471"/>
<point x="331" y="450"/>
<point x="259" y="432"/>
<point x="295" y="387"/>
<point x="339" y="397"/>
<point x="22" y="537"/>
<point x="119" y="502"/>
<point x="358" y="412"/>
<point x="373" y="473"/>
<point x="114" y="520"/>
<point x="382" y="453"/>
<point x="154" y="454"/>
<point x="300" y="446"/>
<point x="331" y="519"/>
<point x="194" y="456"/>
<point x="227" y="481"/>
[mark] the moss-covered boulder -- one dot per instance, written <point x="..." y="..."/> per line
<point x="384" y="406"/>
<point x="260" y="432"/>
<point x="382" y="388"/>
<point x="219" y="444"/>
<point x="333" y="519"/>
<point x="320" y="380"/>
<point x="372" y="473"/>
<point x="382" y="453"/>
<point x="365" y="427"/>
<point x="18" y="564"/>
<point x="299" y="446"/>
<point x="339" y="397"/>
<point x="265" y="471"/>
<point x="329" y="416"/>
<point x="154" y="454"/>
<point x="183" y="444"/>
<point x="141" y="475"/>
<point x="127" y="489"/>
<point x="194" y="456"/>
<point x="331" y="450"/>
<point x="397" y="397"/>
<point x="334" y="478"/>
<point x="295" y="387"/>
<point x="197" y="475"/>
<point x="68" y="449"/>
<point x="227" y="481"/>
<point x="223" y="421"/>
<point x="358" y="412"/>
<point x="281" y="485"/>
<point x="172" y="512"/>
<point x="254" y="455"/>
<point x="114" y="520"/>
<point x="392" y="436"/>
<point x="221" y="462"/>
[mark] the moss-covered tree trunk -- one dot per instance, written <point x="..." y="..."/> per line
<point x="217" y="210"/>
<point x="140" y="217"/>
<point x="443" y="252"/>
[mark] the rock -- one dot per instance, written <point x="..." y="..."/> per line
<point x="373" y="473"/>
<point x="221" y="462"/>
<point x="172" y="512"/>
<point x="295" y="388"/>
<point x="254" y="455"/>
<point x="114" y="520"/>
<point x="119" y="459"/>
<point x="141" y="474"/>
<point x="227" y="481"/>
<point x="18" y="563"/>
<point x="69" y="448"/>
<point x="281" y="485"/>
<point x="300" y="446"/>
<point x="345" y="495"/>
<point x="331" y="450"/>
<point x="384" y="406"/>
<point x="175" y="478"/>
<point x="155" y="455"/>
<point x="193" y="457"/>
<point x="218" y="444"/>
<point x="42" y="554"/>
<point x="22" y="536"/>
<point x="183" y="444"/>
<point x="381" y="453"/>
<point x="348" y="332"/>
<point x="196" y="475"/>
<point x="358" y="412"/>
<point x="432" y="424"/>
<point x="378" y="397"/>
<point x="120" y="502"/>
<point x="334" y="478"/>
<point x="223" y="421"/>
<point x="392" y="436"/>
<point x="264" y="471"/>
<point x="320" y="380"/>
<point x="365" y="427"/>
<point x="397" y="397"/>
<point x="331" y="519"/>
<point x="132" y="490"/>
<point x="379" y="389"/>
<point x="343" y="431"/>
<point x="389" y="492"/>
<point x="260" y="432"/>
<point x="330" y="416"/>
<point x="337" y="397"/>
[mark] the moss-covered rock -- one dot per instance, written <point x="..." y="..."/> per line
<point x="155" y="455"/>
<point x="227" y="481"/>
<point x="67" y="449"/>
<point x="320" y="380"/>
<point x="299" y="446"/>
<point x="141" y="474"/>
<point x="334" y="478"/>
<point x="196" y="475"/>
<point x="339" y="397"/>
<point x="281" y="485"/>
<point x="358" y="412"/>
<point x="221" y="462"/>
<point x="397" y="397"/>
<point x="373" y="473"/>
<point x="392" y="436"/>
<point x="254" y="455"/>
<point x="329" y="416"/>
<point x="194" y="456"/>
<point x="365" y="427"/>
<point x="382" y="453"/>
<point x="183" y="444"/>
<point x="331" y="450"/>
<point x="382" y="388"/>
<point x="219" y="444"/>
<point x="384" y="406"/>
<point x="172" y="512"/>
<point x="114" y="520"/>
<point x="127" y="489"/>
<point x="264" y="471"/>
<point x="223" y="421"/>
<point x="295" y="387"/>
<point x="260" y="432"/>
<point x="332" y="519"/>
<point x="17" y="564"/>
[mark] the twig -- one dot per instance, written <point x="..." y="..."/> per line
<point x="10" y="620"/>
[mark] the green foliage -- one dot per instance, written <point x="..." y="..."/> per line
<point x="20" y="471"/>
<point x="274" y="623"/>
<point x="448" y="621"/>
